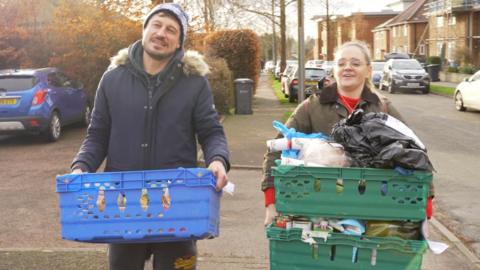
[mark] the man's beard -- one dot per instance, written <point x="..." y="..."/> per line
<point x="158" y="56"/>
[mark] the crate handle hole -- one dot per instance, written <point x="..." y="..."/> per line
<point x="339" y="185"/>
<point x="362" y="186"/>
<point x="317" y="186"/>
<point x="315" y="251"/>
<point x="384" y="188"/>
<point x="171" y="230"/>
<point x="373" y="257"/>
<point x="183" y="229"/>
<point x="333" y="251"/>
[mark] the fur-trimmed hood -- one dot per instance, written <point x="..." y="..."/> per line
<point x="193" y="62"/>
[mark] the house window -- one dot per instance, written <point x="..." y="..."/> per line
<point x="440" y="21"/>
<point x="451" y="50"/>
<point x="405" y="30"/>
<point x="439" y="47"/>
<point x="452" y="20"/>
<point x="421" y="49"/>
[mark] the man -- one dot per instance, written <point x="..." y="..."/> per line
<point x="150" y="106"/>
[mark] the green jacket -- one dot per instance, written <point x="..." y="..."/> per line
<point x="319" y="113"/>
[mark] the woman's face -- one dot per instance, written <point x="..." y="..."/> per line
<point x="351" y="69"/>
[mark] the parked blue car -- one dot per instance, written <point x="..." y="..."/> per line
<point x="377" y="69"/>
<point x="41" y="101"/>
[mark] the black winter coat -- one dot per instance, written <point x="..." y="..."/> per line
<point x="142" y="122"/>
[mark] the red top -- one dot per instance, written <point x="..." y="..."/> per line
<point x="269" y="196"/>
<point x="350" y="103"/>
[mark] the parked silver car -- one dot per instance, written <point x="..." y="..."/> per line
<point x="404" y="74"/>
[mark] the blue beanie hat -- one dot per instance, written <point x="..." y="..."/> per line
<point x="177" y="12"/>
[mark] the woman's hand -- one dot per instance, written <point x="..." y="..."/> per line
<point x="270" y="214"/>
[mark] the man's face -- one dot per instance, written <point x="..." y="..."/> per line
<point x="161" y="36"/>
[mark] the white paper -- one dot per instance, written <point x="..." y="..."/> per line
<point x="307" y="236"/>
<point x="437" y="247"/>
<point x="229" y="188"/>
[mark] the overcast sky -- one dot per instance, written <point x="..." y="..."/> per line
<point x="349" y="6"/>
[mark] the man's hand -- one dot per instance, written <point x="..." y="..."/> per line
<point x="270" y="214"/>
<point x="219" y="172"/>
<point x="77" y="171"/>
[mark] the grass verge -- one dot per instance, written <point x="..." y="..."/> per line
<point x="442" y="90"/>
<point x="278" y="90"/>
<point x="277" y="87"/>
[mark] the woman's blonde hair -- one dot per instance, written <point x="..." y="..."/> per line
<point x="366" y="53"/>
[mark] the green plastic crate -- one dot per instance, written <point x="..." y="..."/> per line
<point x="288" y="252"/>
<point x="316" y="192"/>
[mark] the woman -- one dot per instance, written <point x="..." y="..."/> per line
<point x="353" y="89"/>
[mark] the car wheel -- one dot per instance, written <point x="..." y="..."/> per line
<point x="459" y="102"/>
<point x="426" y="90"/>
<point x="54" y="129"/>
<point x="87" y="115"/>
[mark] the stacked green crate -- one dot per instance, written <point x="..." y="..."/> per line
<point x="360" y="193"/>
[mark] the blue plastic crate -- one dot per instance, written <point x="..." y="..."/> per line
<point x="108" y="208"/>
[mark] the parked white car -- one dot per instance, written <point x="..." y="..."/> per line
<point x="467" y="93"/>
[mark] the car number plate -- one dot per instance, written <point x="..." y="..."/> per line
<point x="413" y="84"/>
<point x="8" y="101"/>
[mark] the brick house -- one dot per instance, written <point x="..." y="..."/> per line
<point x="356" y="26"/>
<point x="454" y="31"/>
<point x="405" y="33"/>
<point x="381" y="40"/>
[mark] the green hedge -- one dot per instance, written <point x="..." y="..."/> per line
<point x="221" y="82"/>
<point x="434" y="60"/>
<point x="241" y="50"/>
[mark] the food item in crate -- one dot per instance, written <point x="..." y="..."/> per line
<point x="121" y="201"/>
<point x="403" y="229"/>
<point x="144" y="199"/>
<point x="101" y="200"/>
<point x="166" y="199"/>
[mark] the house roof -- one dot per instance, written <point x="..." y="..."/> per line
<point x="383" y="26"/>
<point x="413" y="14"/>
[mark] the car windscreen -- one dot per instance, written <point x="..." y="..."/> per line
<point x="315" y="73"/>
<point x="406" y="65"/>
<point x="378" y="66"/>
<point x="17" y="83"/>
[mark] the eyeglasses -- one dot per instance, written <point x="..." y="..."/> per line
<point x="353" y="63"/>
